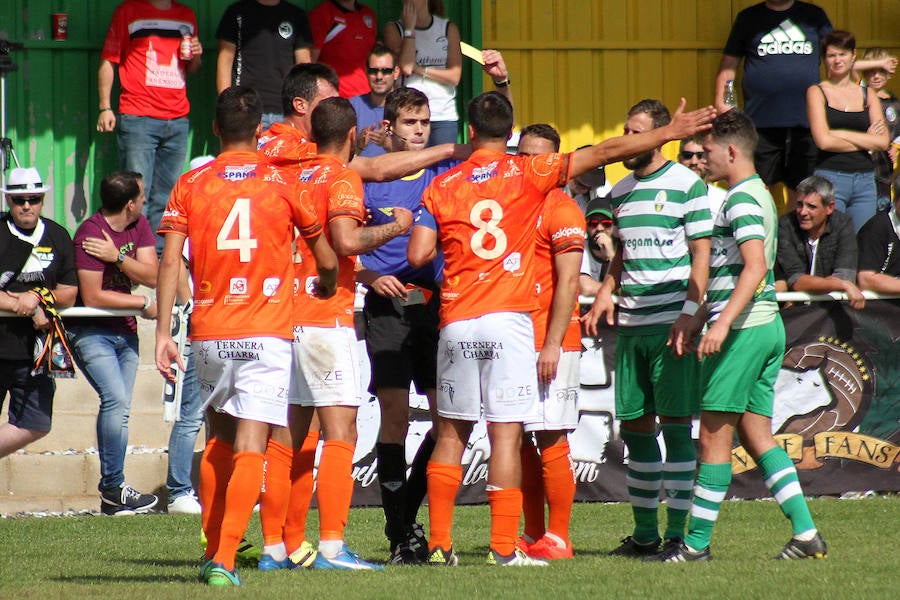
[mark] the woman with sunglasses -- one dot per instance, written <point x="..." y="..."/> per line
<point x="847" y="124"/>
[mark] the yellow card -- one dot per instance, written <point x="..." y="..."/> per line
<point x="472" y="52"/>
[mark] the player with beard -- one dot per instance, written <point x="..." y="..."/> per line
<point x="484" y="213"/>
<point x="662" y="215"/>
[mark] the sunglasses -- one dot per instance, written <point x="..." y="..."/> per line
<point x="22" y="200"/>
<point x="685" y="155"/>
<point x="377" y="70"/>
<point x="596" y="222"/>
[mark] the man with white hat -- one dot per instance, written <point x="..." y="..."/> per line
<point x="36" y="256"/>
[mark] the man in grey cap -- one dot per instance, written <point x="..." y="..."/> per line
<point x="36" y="261"/>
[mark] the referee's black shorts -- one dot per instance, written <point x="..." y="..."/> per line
<point x="402" y="342"/>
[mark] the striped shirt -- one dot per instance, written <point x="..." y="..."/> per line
<point x="657" y="216"/>
<point x="749" y="213"/>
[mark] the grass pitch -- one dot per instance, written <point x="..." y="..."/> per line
<point x="156" y="557"/>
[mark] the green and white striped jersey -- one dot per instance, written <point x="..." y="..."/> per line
<point x="656" y="216"/>
<point x="749" y="213"/>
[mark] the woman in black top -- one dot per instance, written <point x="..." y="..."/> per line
<point x="846" y="123"/>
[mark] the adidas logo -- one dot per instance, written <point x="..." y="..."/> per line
<point x="787" y="38"/>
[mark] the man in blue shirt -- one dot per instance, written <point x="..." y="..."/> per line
<point x="401" y="310"/>
<point x="382" y="72"/>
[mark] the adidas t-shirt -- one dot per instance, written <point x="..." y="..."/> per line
<point x="781" y="59"/>
<point x="657" y="215"/>
<point x="749" y="213"/>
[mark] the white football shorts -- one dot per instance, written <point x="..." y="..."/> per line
<point x="558" y="405"/>
<point x="247" y="378"/>
<point x="486" y="364"/>
<point x="325" y="367"/>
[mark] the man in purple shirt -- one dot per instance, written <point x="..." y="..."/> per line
<point x="114" y="251"/>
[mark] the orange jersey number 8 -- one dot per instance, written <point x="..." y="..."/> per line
<point x="485" y="228"/>
<point x="240" y="212"/>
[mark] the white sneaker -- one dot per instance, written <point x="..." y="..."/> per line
<point x="186" y="504"/>
<point x="516" y="559"/>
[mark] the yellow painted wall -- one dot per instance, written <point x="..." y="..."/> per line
<point x="580" y="64"/>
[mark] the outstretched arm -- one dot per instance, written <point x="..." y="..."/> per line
<point x="615" y="149"/>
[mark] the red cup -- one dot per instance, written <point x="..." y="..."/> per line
<point x="60" y="26"/>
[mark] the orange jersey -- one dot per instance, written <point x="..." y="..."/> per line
<point x="284" y="147"/>
<point x="560" y="229"/>
<point x="241" y="226"/>
<point x="486" y="210"/>
<point x="334" y="191"/>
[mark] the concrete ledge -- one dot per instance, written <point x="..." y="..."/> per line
<point x="63" y="482"/>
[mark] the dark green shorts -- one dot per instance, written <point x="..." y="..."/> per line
<point x="651" y="380"/>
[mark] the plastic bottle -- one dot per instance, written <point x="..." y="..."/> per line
<point x="730" y="97"/>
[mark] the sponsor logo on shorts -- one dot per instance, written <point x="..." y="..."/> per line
<point x="447" y="389"/>
<point x="514" y="392"/>
<point x="450" y="352"/>
<point x="238" y="286"/>
<point x="477" y="350"/>
<point x="270" y="286"/>
<point x="239" y="349"/>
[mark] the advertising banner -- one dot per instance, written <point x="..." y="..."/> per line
<point x="837" y="413"/>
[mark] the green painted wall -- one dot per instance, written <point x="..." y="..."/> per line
<point x="52" y="97"/>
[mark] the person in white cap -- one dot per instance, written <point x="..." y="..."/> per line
<point x="36" y="254"/>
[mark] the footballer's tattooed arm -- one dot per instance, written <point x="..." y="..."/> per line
<point x="350" y="238"/>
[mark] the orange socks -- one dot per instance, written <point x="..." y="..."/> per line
<point x="559" y="484"/>
<point x="240" y="498"/>
<point x="215" y="471"/>
<point x="301" y="492"/>
<point x="506" y="508"/>
<point x="443" y="484"/>
<point x="335" y="488"/>
<point x="273" y="502"/>
<point x="532" y="492"/>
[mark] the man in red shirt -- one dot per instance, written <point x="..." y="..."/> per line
<point x="344" y="33"/>
<point x="485" y="211"/>
<point x="143" y="41"/>
<point x="241" y="226"/>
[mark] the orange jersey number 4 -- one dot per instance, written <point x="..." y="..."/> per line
<point x="239" y="213"/>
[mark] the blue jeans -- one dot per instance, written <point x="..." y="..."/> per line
<point x="443" y="132"/>
<point x="854" y="194"/>
<point x="157" y="149"/>
<point x="109" y="361"/>
<point x="184" y="435"/>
